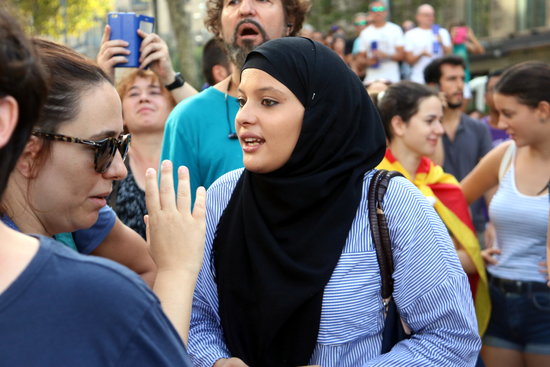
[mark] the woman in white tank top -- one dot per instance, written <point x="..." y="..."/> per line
<point x="519" y="330"/>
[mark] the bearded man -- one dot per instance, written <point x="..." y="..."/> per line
<point x="200" y="131"/>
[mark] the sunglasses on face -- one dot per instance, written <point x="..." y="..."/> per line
<point x="378" y="9"/>
<point x="105" y="149"/>
<point x="361" y="22"/>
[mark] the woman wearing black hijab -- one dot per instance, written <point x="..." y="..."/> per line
<point x="290" y="275"/>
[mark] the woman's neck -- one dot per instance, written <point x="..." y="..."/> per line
<point x="541" y="149"/>
<point x="144" y="153"/>
<point x="147" y="145"/>
<point x="16" y="252"/>
<point x="229" y="85"/>
<point x="19" y="210"/>
<point x="409" y="159"/>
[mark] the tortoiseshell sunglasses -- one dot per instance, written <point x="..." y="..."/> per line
<point x="105" y="149"/>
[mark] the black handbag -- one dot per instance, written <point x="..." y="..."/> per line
<point x="394" y="329"/>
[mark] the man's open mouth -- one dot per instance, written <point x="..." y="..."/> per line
<point x="248" y="30"/>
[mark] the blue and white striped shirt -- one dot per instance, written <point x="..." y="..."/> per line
<point x="431" y="290"/>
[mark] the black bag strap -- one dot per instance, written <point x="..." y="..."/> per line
<point x="379" y="228"/>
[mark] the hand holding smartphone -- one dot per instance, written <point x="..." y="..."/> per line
<point x="124" y="26"/>
<point x="460" y="35"/>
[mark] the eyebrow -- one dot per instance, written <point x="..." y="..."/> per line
<point x="264" y="89"/>
<point x="105" y="134"/>
<point x="148" y="86"/>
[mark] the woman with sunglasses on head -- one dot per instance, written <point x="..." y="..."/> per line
<point x="57" y="307"/>
<point x="290" y="276"/>
<point x="519" y="330"/>
<point x="66" y="171"/>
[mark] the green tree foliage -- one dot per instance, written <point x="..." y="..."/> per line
<point x="324" y="13"/>
<point x="55" y="17"/>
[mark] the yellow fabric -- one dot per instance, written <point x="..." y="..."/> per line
<point x="460" y="230"/>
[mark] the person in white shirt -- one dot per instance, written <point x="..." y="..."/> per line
<point x="381" y="46"/>
<point x="426" y="42"/>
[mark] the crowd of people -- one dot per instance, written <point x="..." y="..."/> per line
<point x="380" y="50"/>
<point x="252" y="244"/>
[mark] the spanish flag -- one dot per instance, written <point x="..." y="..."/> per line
<point x="453" y="210"/>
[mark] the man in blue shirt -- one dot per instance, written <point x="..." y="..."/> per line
<point x="465" y="140"/>
<point x="200" y="132"/>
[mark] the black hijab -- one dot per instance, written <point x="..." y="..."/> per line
<point x="282" y="233"/>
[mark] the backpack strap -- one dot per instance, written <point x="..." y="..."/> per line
<point x="506" y="161"/>
<point x="379" y="228"/>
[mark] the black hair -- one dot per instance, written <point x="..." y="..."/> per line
<point x="402" y="99"/>
<point x="70" y="75"/>
<point x="527" y="81"/>
<point x="213" y="54"/>
<point x="432" y="72"/>
<point x="493" y="74"/>
<point x="22" y="78"/>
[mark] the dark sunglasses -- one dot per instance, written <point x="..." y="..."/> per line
<point x="105" y="149"/>
<point x="378" y="9"/>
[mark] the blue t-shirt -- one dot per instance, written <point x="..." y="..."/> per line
<point x="84" y="241"/>
<point x="472" y="141"/>
<point x="87" y="240"/>
<point x="196" y="136"/>
<point x="66" y="309"/>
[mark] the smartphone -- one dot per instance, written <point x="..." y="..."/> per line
<point x="124" y="26"/>
<point x="460" y="35"/>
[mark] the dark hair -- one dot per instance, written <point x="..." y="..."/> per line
<point x="432" y="72"/>
<point x="295" y="11"/>
<point x="213" y="54"/>
<point x="456" y="23"/>
<point x="527" y="81"/>
<point x="335" y="38"/>
<point x="402" y="99"/>
<point x="70" y="75"/>
<point x="22" y="78"/>
<point x="494" y="73"/>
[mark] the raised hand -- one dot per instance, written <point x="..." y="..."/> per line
<point x="155" y="55"/>
<point x="111" y="53"/>
<point x="176" y="239"/>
